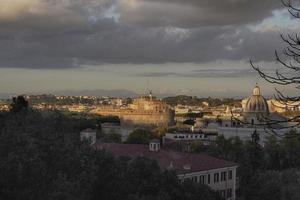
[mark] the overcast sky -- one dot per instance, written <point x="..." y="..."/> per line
<point x="198" y="47"/>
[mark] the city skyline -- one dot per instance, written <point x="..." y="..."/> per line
<point x="194" y="48"/>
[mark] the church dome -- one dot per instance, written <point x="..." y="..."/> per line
<point x="257" y="103"/>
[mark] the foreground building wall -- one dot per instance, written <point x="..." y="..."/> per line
<point x="221" y="180"/>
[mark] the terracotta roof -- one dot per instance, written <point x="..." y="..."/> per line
<point x="154" y="141"/>
<point x="168" y="159"/>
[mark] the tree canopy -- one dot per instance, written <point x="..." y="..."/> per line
<point x="42" y="157"/>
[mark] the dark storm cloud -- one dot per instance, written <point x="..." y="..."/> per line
<point x="194" y="13"/>
<point x="73" y="33"/>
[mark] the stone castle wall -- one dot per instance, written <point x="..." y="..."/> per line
<point x="144" y="111"/>
<point x="154" y="119"/>
<point x="128" y="117"/>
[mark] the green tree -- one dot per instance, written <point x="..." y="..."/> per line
<point x="112" y="136"/>
<point x="19" y="104"/>
<point x="161" y="131"/>
<point x="41" y="157"/>
<point x="197" y="147"/>
<point x="291" y="150"/>
<point x="139" y="136"/>
<point x="273" y="153"/>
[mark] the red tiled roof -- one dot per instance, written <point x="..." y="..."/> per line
<point x="165" y="159"/>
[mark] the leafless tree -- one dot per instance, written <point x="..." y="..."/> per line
<point x="288" y="75"/>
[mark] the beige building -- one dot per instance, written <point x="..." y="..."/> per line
<point x="144" y="111"/>
<point x="281" y="107"/>
<point x="4" y="106"/>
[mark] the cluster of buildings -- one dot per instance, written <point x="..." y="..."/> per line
<point x="218" y="174"/>
<point x="66" y="103"/>
<point x="183" y="109"/>
<point x="79" y="104"/>
<point x="255" y="116"/>
<point x="4" y="106"/>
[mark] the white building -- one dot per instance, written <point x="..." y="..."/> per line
<point x="183" y="141"/>
<point x="190" y="137"/>
<point x="180" y="109"/>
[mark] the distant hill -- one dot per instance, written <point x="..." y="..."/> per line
<point x="99" y="92"/>
<point x="123" y="93"/>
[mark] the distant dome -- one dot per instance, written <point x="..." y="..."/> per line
<point x="257" y="103"/>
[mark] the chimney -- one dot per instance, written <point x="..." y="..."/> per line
<point x="154" y="145"/>
<point x="89" y="135"/>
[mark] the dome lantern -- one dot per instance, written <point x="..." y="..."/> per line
<point x="257" y="103"/>
<point x="256" y="91"/>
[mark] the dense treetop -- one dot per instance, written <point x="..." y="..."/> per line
<point x="41" y="157"/>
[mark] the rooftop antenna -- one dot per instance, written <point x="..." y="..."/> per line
<point x="149" y="91"/>
<point x="150" y="94"/>
<point x="147" y="86"/>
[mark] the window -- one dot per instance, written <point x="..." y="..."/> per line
<point x="216" y="177"/>
<point x="195" y="179"/>
<point x="186" y="179"/>
<point x="202" y="179"/>
<point x="229" y="193"/>
<point x="223" y="176"/>
<point x="222" y="193"/>
<point x="230" y="175"/>
<point x="208" y="179"/>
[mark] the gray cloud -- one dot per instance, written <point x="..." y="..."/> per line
<point x="73" y="33"/>
<point x="109" y="42"/>
<point x="194" y="13"/>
